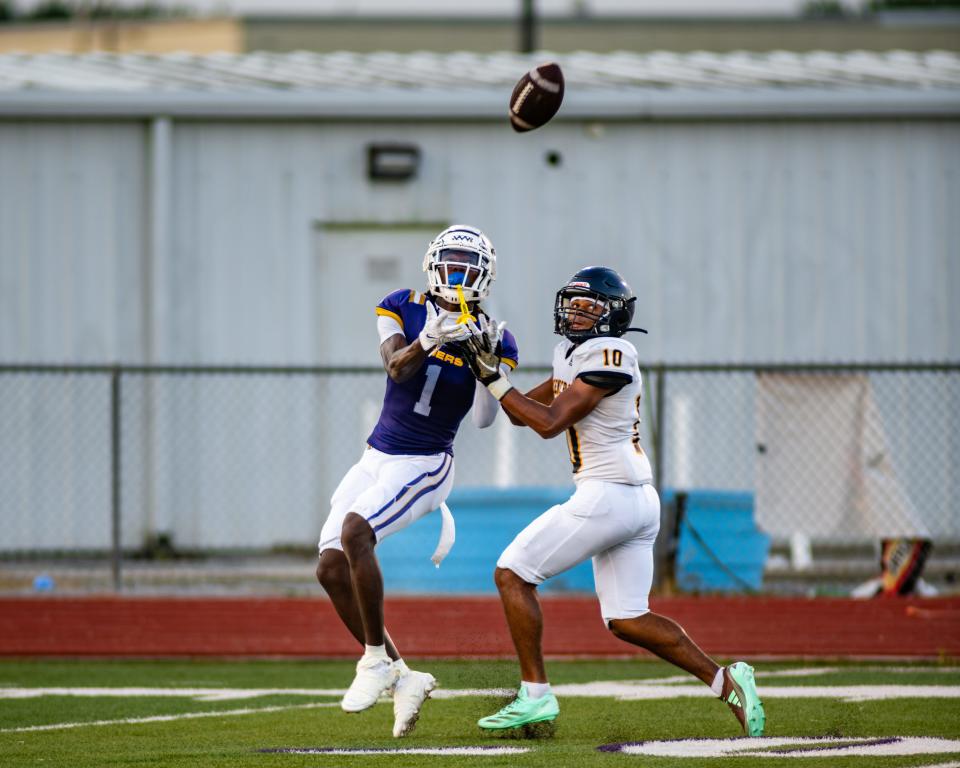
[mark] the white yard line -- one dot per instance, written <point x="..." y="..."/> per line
<point x="199" y="694"/>
<point x="633" y="691"/>
<point x="626" y="690"/>
<point x="805" y="672"/>
<point x="936" y="670"/>
<point x="790" y="748"/>
<point x="610" y="688"/>
<point x="166" y="718"/>
<point x="472" y="751"/>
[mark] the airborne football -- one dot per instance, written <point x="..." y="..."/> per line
<point x="536" y="97"/>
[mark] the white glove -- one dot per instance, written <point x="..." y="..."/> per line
<point x="491" y="331"/>
<point x="441" y="328"/>
<point x="481" y="352"/>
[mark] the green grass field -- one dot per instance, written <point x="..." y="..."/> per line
<point x="284" y="704"/>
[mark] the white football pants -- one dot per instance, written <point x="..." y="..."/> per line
<point x="613" y="523"/>
<point x="389" y="491"/>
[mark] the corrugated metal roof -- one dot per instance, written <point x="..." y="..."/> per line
<point x="306" y="71"/>
<point x="470" y="86"/>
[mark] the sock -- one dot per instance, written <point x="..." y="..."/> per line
<point x="377" y="651"/>
<point x="717" y="685"/>
<point x="401" y="666"/>
<point x="536" y="690"/>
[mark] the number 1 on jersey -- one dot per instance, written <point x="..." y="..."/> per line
<point x="422" y="406"/>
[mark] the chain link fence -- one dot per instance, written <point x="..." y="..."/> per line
<point x="208" y="479"/>
<point x="832" y="460"/>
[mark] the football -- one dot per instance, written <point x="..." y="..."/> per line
<point x="536" y="97"/>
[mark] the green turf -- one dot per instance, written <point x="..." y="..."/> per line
<point x="584" y="723"/>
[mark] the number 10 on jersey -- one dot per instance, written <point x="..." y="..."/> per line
<point x="612" y="357"/>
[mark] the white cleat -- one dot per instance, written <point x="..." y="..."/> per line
<point x="374" y="676"/>
<point x="412" y="689"/>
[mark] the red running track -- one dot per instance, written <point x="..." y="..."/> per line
<point x="469" y="626"/>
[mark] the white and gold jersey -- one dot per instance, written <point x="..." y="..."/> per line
<point x="605" y="444"/>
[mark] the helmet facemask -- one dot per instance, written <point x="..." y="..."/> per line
<point x="565" y="315"/>
<point x="460" y="257"/>
<point x="451" y="268"/>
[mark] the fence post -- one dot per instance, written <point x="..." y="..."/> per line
<point x="664" y="546"/>
<point x="658" y="434"/>
<point x="115" y="476"/>
<point x="528" y="26"/>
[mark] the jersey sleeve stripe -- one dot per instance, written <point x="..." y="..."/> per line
<point x="606" y="378"/>
<point x="508" y="361"/>
<point x="573" y="443"/>
<point x="387" y="313"/>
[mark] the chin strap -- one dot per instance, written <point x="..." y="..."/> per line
<point x="577" y="342"/>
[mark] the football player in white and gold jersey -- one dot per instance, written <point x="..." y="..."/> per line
<point x="614" y="515"/>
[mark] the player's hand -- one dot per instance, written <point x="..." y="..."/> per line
<point x="441" y="328"/>
<point x="488" y="333"/>
<point x="483" y="363"/>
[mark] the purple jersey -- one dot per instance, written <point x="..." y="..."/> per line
<point x="421" y="415"/>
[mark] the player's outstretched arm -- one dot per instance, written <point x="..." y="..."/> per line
<point x="542" y="393"/>
<point x="548" y="421"/>
<point x="567" y="408"/>
<point x="402" y="360"/>
<point x="485" y="407"/>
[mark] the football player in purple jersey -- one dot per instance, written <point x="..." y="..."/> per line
<point x="406" y="470"/>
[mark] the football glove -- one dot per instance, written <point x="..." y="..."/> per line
<point x="490" y="332"/>
<point x="483" y="363"/>
<point x="482" y="352"/>
<point x="441" y="328"/>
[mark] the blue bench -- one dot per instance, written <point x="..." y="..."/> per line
<point x="719" y="548"/>
<point x="489" y="518"/>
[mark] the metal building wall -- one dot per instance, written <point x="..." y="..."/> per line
<point x="746" y="241"/>
<point x="73" y="237"/>
<point x="73" y="240"/>
<point x="762" y="241"/>
<point x="788" y="241"/>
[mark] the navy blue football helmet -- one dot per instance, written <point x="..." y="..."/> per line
<point x="609" y="291"/>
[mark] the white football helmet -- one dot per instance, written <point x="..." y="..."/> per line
<point x="460" y="255"/>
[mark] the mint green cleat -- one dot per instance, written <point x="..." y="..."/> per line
<point x="740" y="694"/>
<point x="521" y="711"/>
